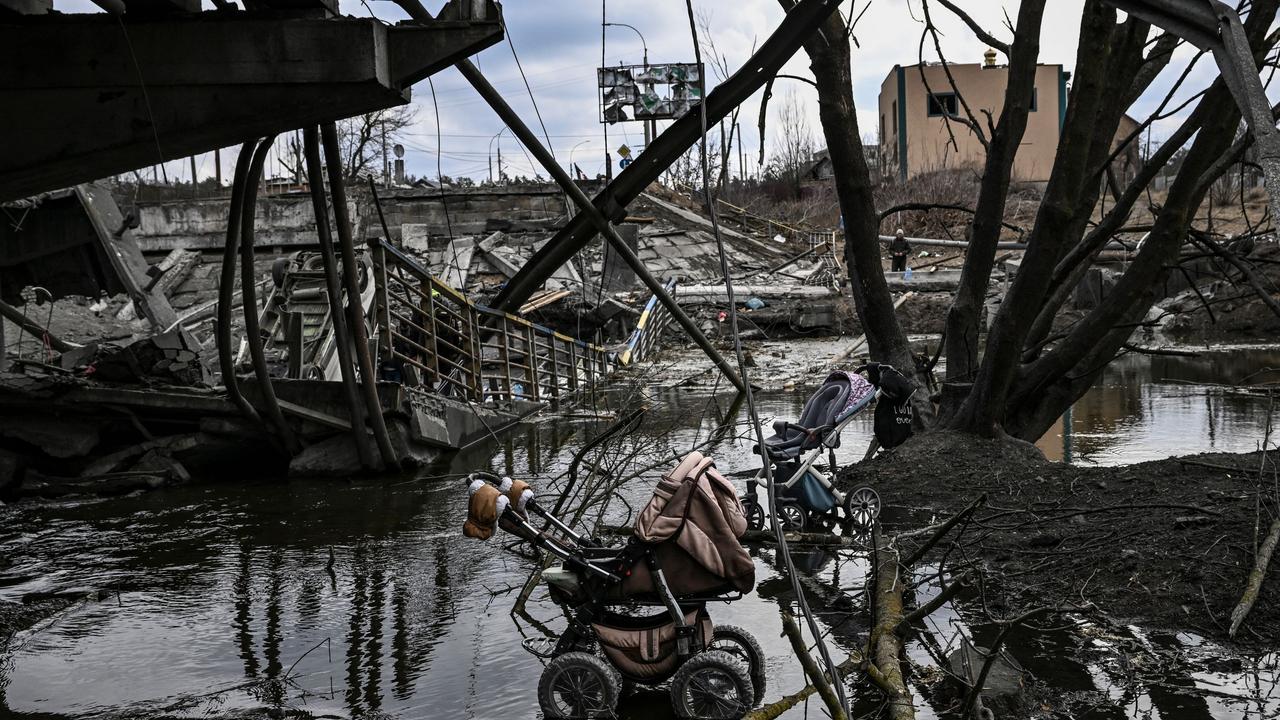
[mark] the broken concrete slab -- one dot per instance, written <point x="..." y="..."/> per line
<point x="1002" y="690"/>
<point x="115" y="232"/>
<point x="171" y="358"/>
<point x="457" y="263"/>
<point x="55" y="436"/>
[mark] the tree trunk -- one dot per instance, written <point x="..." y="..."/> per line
<point x="1092" y="116"/>
<point x="1046" y="388"/>
<point x="829" y="57"/>
<point x="975" y="276"/>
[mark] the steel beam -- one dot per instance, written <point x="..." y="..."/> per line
<point x="333" y="288"/>
<point x="799" y="24"/>
<point x="249" y="302"/>
<point x="597" y="218"/>
<point x="103" y="94"/>
<point x="355" y="308"/>
<point x="1214" y="26"/>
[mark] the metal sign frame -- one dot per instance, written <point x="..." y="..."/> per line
<point x="657" y="91"/>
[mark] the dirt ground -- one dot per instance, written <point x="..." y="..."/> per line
<point x="1165" y="544"/>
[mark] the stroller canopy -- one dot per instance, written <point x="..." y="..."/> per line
<point x="694" y="519"/>
<point x="841" y="394"/>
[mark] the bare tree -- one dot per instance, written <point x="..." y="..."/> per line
<point x="720" y="67"/>
<point x="793" y="149"/>
<point x="1027" y="377"/>
<point x="362" y="139"/>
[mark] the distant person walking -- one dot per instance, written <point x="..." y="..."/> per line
<point x="899" y="249"/>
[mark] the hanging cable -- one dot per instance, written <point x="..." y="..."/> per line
<point x="788" y="566"/>
<point x="528" y="89"/>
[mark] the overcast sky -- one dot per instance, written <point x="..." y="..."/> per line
<point x="559" y="45"/>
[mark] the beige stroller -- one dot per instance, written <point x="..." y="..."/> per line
<point x="683" y="552"/>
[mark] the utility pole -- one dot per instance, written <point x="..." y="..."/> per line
<point x="386" y="169"/>
<point x="217" y="167"/>
<point x="195" y="181"/>
<point x="738" y="129"/>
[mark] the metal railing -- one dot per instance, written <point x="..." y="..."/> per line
<point x="431" y="335"/>
<point x="644" y="339"/>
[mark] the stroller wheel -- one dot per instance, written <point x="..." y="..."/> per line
<point x="743" y="646"/>
<point x="755" y="516"/>
<point x="578" y="685"/>
<point x="792" y="517"/>
<point x="712" y="685"/>
<point x="862" y="507"/>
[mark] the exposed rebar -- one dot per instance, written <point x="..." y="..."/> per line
<point x="249" y="302"/>
<point x="355" y="309"/>
<point x="333" y="288"/>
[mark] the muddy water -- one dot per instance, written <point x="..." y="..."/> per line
<point x="361" y="599"/>
<point x="1149" y="408"/>
<point x="350" y="599"/>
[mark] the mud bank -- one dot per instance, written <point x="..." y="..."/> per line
<point x="1165" y="544"/>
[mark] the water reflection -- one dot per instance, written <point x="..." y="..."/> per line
<point x="1148" y="408"/>
<point x="360" y="598"/>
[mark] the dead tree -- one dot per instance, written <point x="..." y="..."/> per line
<point x="1026" y="377"/>
<point x="829" y="58"/>
<point x="1006" y="136"/>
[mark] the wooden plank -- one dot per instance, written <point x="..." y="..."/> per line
<point x="543" y="298"/>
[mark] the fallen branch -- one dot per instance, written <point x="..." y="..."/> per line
<point x="1254" y="584"/>
<point x="886" y="644"/>
<point x="994" y="653"/>
<point x="776" y="708"/>
<point x="811" y="669"/>
<point x="938" y="601"/>
<point x="940" y="531"/>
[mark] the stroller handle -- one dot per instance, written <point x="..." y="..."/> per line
<point x="532" y="507"/>
<point x="481" y="475"/>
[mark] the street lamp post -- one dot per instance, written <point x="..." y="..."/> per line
<point x="649" y="131"/>
<point x="572" y="167"/>
<point x="495" y="137"/>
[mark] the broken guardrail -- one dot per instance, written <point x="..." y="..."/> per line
<point x="435" y="336"/>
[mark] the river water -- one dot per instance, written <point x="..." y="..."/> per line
<point x="361" y="598"/>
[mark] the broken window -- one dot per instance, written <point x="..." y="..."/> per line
<point x="942" y="104"/>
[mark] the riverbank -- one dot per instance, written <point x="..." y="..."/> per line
<point x="1165" y="544"/>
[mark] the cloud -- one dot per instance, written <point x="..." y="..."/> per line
<point x="559" y="45"/>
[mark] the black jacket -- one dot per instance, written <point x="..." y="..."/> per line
<point x="899" y="247"/>
<point x="893" y="416"/>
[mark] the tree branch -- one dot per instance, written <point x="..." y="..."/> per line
<point x="978" y="32"/>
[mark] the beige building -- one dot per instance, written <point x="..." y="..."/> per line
<point x="914" y="121"/>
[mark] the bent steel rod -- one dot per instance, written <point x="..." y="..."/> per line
<point x="249" y="301"/>
<point x="315" y="172"/>
<point x="355" y="308"/>
<point x="226" y="363"/>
